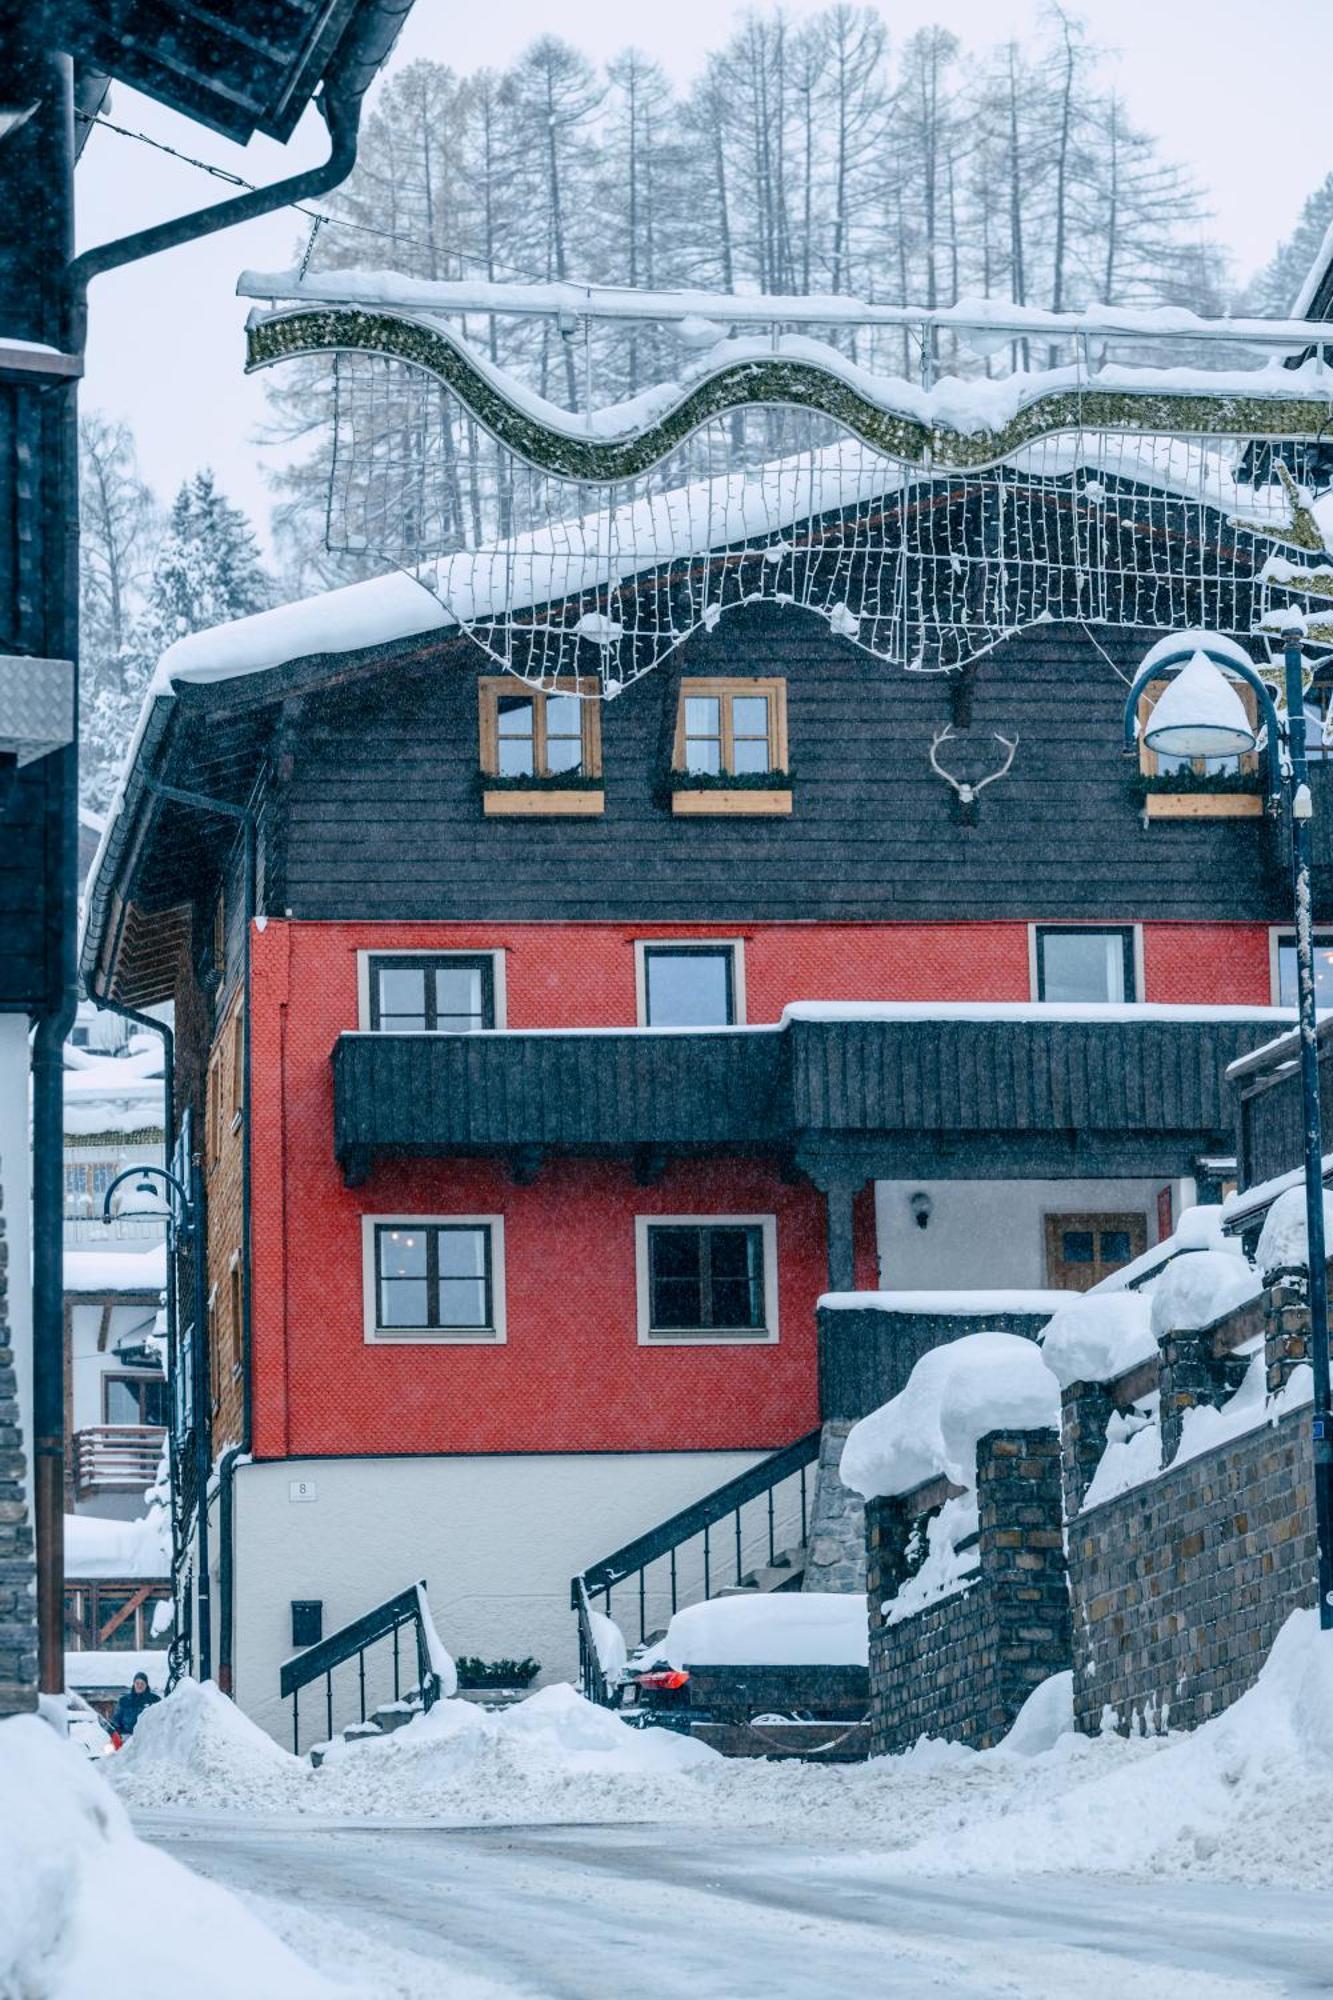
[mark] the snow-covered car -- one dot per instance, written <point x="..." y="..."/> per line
<point x="87" y="1728"/>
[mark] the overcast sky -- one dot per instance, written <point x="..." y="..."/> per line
<point x="1213" y="78"/>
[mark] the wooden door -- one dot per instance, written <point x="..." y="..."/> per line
<point x="1082" y="1249"/>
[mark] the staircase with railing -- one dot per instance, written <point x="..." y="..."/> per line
<point x="376" y="1637"/>
<point x="748" y="1534"/>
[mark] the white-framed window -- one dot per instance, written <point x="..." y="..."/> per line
<point x="433" y="1278"/>
<point x="1282" y="967"/>
<point x="1074" y="963"/>
<point x="690" y="982"/>
<point x="707" y="1280"/>
<point x="430" y="992"/>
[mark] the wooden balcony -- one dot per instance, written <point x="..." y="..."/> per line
<point x="116" y="1458"/>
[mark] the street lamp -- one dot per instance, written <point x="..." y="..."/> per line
<point x="1201" y="715"/>
<point x="185" y="1222"/>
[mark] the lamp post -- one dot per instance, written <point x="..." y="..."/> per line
<point x="1201" y="715"/>
<point x="185" y="1221"/>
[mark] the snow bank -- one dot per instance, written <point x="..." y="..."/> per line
<point x="1221" y="1802"/>
<point x="954" y="1395"/>
<point x="197" y="1748"/>
<point x="114" y="1668"/>
<point x="86" y="1910"/>
<point x="1200" y="1287"/>
<point x="1283" y="1241"/>
<point x="1100" y="1336"/>
<point x="770" y="1629"/>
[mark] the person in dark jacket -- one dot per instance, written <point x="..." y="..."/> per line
<point x="132" y="1705"/>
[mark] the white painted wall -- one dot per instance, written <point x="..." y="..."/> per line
<point x="497" y="1539"/>
<point x="16" y="1205"/>
<point x="988" y="1234"/>
<point x="88" y="1363"/>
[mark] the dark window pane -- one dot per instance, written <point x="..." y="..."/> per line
<point x="402" y="997"/>
<point x="1077" y="1246"/>
<point x="564" y="733"/>
<point x="675" y="1266"/>
<point x="749" y="733"/>
<point x="736" y="1266"/>
<point x="703" y="733"/>
<point x="1083" y="965"/>
<point x="122" y="1402"/>
<point x="1115" y="1246"/>
<point x="515" y="718"/>
<point x="688" y="989"/>
<point x="459" y="1000"/>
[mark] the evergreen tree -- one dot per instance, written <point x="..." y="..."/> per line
<point x="1274" y="291"/>
<point x="206" y="571"/>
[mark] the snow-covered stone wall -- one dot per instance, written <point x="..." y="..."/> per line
<point x="963" y="1664"/>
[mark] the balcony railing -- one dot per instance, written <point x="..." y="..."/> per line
<point x="116" y="1458"/>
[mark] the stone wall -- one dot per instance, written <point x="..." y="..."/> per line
<point x="836" y="1551"/>
<point x="1180" y="1586"/>
<point x="18" y="1602"/>
<point x="963" y="1667"/>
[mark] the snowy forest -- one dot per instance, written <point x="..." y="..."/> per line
<point x="824" y="158"/>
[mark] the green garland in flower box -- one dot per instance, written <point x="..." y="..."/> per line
<point x="725" y="781"/>
<point x="1226" y="784"/>
<point x="559" y="781"/>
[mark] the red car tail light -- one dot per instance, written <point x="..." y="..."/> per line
<point x="663" y="1677"/>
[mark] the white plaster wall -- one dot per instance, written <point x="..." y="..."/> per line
<point x="88" y="1363"/>
<point x="496" y="1538"/>
<point x="16" y="1201"/>
<point x="986" y="1234"/>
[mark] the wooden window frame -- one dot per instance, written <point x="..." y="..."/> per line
<point x="236" y="1069"/>
<point x="492" y="985"/>
<point x="493" y="1335"/>
<point x="490" y="687"/>
<point x="726" y="689"/>
<point x="766" y="1336"/>
<point x="130" y="1375"/>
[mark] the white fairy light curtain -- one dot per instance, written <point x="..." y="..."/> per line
<point x="558" y="575"/>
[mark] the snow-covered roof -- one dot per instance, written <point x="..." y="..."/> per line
<point x="99" y="1271"/>
<point x="114" y="1093"/>
<point x="132" y="1549"/>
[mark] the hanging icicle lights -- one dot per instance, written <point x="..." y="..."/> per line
<point x="924" y="525"/>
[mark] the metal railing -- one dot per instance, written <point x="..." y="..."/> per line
<point x="110" y="1458"/>
<point x="696" y="1562"/>
<point x="381" y="1626"/>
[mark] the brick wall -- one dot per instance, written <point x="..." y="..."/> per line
<point x="18" y="1603"/>
<point x="223" y="1124"/>
<point x="963" y="1668"/>
<point x="1180" y="1586"/>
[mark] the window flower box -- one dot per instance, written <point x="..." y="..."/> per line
<point x="765" y="794"/>
<point x="1202" y="795"/>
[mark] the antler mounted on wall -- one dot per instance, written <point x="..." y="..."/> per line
<point x="968" y="792"/>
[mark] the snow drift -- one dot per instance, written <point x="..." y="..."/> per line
<point x="87" y="1912"/>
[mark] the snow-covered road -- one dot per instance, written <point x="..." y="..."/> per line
<point x="575" y="1912"/>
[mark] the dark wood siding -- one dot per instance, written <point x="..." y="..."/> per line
<point x="965" y="1092"/>
<point x="382" y="808"/>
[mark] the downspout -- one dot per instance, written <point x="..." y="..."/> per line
<point x="244" y="816"/>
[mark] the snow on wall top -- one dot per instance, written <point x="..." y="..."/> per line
<point x="95" y="1271"/>
<point x="954" y="1395"/>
